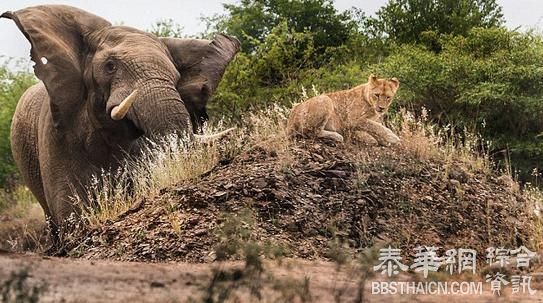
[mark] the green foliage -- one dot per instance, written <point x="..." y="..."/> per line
<point x="278" y="71"/>
<point x="248" y="21"/>
<point x="253" y="20"/>
<point x="490" y="77"/>
<point x="260" y="79"/>
<point x="404" y="21"/>
<point x="167" y="28"/>
<point x="12" y="86"/>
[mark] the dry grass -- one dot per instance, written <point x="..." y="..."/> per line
<point x="22" y="222"/>
<point x="267" y="130"/>
<point x="163" y="163"/>
<point x="173" y="160"/>
<point x="427" y="141"/>
<point x="534" y="198"/>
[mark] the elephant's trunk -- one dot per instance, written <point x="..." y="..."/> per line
<point x="159" y="110"/>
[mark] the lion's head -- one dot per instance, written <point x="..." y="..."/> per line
<point x="382" y="92"/>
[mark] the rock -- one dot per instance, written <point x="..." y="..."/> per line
<point x="260" y="183"/>
<point x="156" y="284"/>
<point x="220" y="194"/>
<point x="458" y="173"/>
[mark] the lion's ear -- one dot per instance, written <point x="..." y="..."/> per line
<point x="373" y="79"/>
<point x="396" y="82"/>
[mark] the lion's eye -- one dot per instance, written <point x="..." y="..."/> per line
<point x="376" y="95"/>
<point x="110" y="67"/>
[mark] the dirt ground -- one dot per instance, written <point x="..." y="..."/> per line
<point x="317" y="195"/>
<point x="313" y="208"/>
<point x="78" y="280"/>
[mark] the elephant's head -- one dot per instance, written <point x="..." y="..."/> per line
<point x="119" y="80"/>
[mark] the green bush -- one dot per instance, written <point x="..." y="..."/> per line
<point x="404" y="21"/>
<point x="12" y="86"/>
<point x="491" y="77"/>
<point x="264" y="77"/>
<point x="280" y="68"/>
<point x="489" y="81"/>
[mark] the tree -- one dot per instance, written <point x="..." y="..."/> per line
<point x="252" y="20"/>
<point x="405" y="20"/>
<point x="167" y="28"/>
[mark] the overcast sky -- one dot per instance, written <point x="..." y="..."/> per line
<point x="143" y="13"/>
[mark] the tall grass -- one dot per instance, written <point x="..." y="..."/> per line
<point x="161" y="164"/>
<point x="427" y="141"/>
<point x="22" y="223"/>
<point x="172" y="160"/>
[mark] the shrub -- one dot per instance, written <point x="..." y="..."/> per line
<point x="253" y="20"/>
<point x="12" y="86"/>
<point x="404" y="20"/>
<point x="489" y="81"/>
<point x="490" y="77"/>
<point x="278" y="72"/>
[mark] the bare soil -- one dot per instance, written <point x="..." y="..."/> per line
<point x="78" y="280"/>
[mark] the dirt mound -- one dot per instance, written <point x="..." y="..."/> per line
<point x="320" y="194"/>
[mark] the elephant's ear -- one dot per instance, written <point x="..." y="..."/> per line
<point x="201" y="64"/>
<point x="58" y="37"/>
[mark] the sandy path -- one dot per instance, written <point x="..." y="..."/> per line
<point x="76" y="280"/>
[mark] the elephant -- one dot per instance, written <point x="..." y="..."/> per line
<point x="103" y="89"/>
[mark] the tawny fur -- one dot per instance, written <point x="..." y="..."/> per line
<point x="358" y="110"/>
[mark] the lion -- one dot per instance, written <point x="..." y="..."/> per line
<point x="358" y="110"/>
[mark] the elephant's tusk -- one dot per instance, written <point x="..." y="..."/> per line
<point x="120" y="110"/>
<point x="211" y="138"/>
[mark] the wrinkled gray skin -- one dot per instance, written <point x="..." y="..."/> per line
<point x="62" y="130"/>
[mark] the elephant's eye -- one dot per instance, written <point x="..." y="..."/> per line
<point x="110" y="67"/>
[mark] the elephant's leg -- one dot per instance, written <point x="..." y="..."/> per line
<point x="382" y="134"/>
<point x="24" y="146"/>
<point x="65" y="198"/>
<point x="55" y="249"/>
<point x="64" y="174"/>
<point x="65" y="215"/>
<point x="24" y="141"/>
